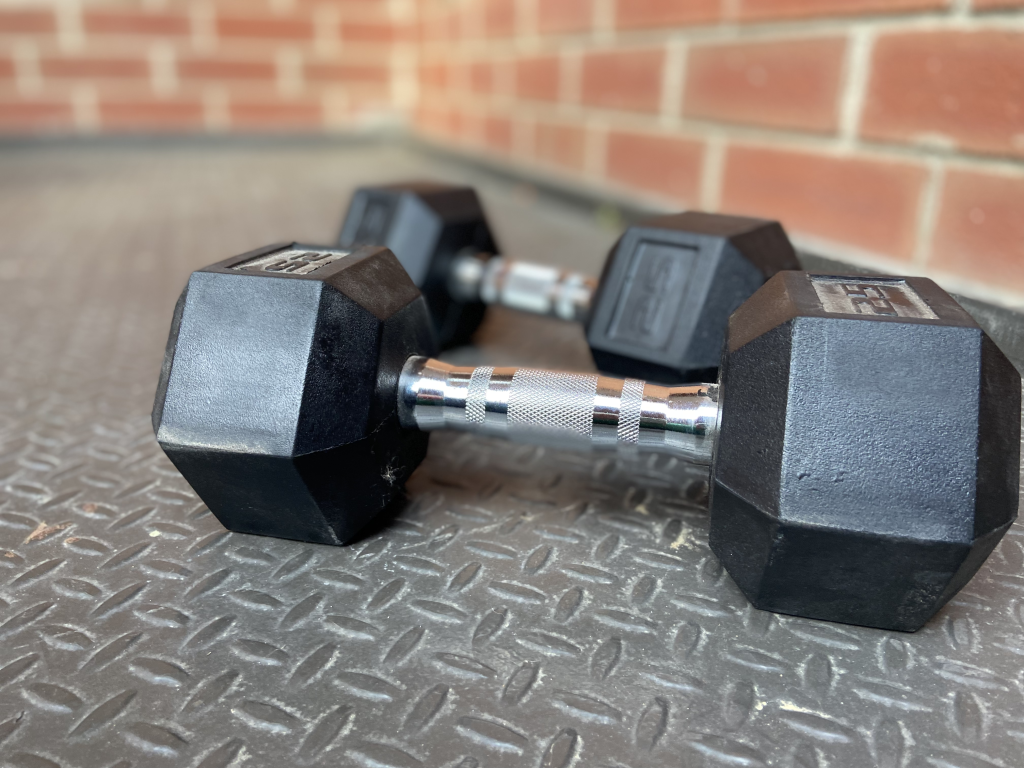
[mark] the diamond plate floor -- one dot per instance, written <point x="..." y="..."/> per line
<point x="525" y="608"/>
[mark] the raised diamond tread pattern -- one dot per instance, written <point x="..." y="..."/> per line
<point x="525" y="608"/>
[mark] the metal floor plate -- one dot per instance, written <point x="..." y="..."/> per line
<point x="524" y="608"/>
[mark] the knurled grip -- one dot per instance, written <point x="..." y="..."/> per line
<point x="631" y="406"/>
<point x="552" y="401"/>
<point x="476" y="394"/>
<point x="558" y="408"/>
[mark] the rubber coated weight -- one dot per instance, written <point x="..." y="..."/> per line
<point x="425" y="225"/>
<point x="869" y="451"/>
<point x="271" y="401"/>
<point x="668" y="287"/>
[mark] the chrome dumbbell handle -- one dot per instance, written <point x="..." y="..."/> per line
<point x="560" y="409"/>
<point x="534" y="288"/>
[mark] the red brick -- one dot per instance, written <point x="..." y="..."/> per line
<point x="404" y="33"/>
<point x="481" y="77"/>
<point x="434" y="75"/>
<point x="562" y="145"/>
<point x="750" y="10"/>
<point x="265" y="27"/>
<point x="665" y="13"/>
<point x="537" y="78"/>
<point x="498" y="134"/>
<point x="564" y="15"/>
<point x="468" y="25"/>
<point x="431" y="121"/>
<point x="453" y="124"/>
<point x="453" y="75"/>
<point x="21" y="22"/>
<point x="457" y="75"/>
<point x="276" y="114"/>
<point x="667" y="165"/>
<point x="980" y="231"/>
<point x="6" y="67"/>
<point x="342" y="73"/>
<point x="17" y="116"/>
<point x="151" y="115"/>
<point x="967" y="87"/>
<point x="623" y="79"/>
<point x="500" y="17"/>
<point x="454" y="24"/>
<point x="80" y="66"/>
<point x="782" y="83"/>
<point x="457" y="125"/>
<point x="362" y="32"/>
<point x="129" y="22"/>
<point x="435" y="28"/>
<point x="363" y="8"/>
<point x="225" y="69"/>
<point x="861" y="202"/>
<point x="471" y="128"/>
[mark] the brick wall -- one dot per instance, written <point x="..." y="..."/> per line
<point x="207" y="65"/>
<point x="890" y="132"/>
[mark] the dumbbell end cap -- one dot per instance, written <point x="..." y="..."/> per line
<point x="669" y="286"/>
<point x="277" y="395"/>
<point x="869" y="453"/>
<point x="426" y="224"/>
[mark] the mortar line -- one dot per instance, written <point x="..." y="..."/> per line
<point x="928" y="213"/>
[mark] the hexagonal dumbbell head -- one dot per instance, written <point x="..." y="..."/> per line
<point x="425" y="224"/>
<point x="888" y="426"/>
<point x="668" y="288"/>
<point x="278" y="389"/>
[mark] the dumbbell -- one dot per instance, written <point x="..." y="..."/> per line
<point x="658" y="312"/>
<point x="863" y="438"/>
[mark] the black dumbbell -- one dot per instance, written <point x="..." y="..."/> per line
<point x="863" y="440"/>
<point x="658" y="312"/>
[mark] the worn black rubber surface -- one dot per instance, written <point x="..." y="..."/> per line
<point x="850" y="483"/>
<point x="426" y="224"/>
<point x="271" y="401"/>
<point x="525" y="607"/>
<point x="668" y="288"/>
